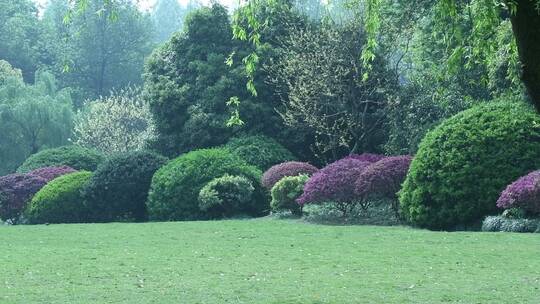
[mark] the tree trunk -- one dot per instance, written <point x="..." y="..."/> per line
<point x="526" y="28"/>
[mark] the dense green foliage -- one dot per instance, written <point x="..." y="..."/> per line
<point x="226" y="196"/>
<point x="286" y="191"/>
<point x="168" y="17"/>
<point x="119" y="187"/>
<point x="175" y="187"/>
<point x="463" y="165"/>
<point x="76" y="157"/>
<point x="32" y="117"/>
<point x="60" y="201"/>
<point x="260" y="151"/>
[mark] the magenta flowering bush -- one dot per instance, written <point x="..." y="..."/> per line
<point x="334" y="183"/>
<point x="383" y="178"/>
<point x="367" y="157"/>
<point x="50" y="173"/>
<point x="524" y="193"/>
<point x="291" y="168"/>
<point x="16" y="190"/>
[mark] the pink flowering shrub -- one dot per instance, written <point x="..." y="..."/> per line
<point x="291" y="168"/>
<point x="335" y="183"/>
<point x="50" y="173"/>
<point x="524" y="193"/>
<point x="16" y="190"/>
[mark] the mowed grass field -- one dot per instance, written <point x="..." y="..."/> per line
<point x="264" y="261"/>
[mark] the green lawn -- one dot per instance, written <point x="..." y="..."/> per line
<point x="264" y="261"/>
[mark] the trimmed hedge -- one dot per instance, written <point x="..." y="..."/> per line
<point x="259" y="150"/>
<point x="463" y="165"/>
<point x="60" y="201"/>
<point x="76" y="157"/>
<point x="119" y="187"/>
<point x="175" y="187"/>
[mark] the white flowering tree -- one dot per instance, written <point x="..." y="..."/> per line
<point x="120" y="122"/>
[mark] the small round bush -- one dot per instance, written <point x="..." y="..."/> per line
<point x="335" y="183"/>
<point x="76" y="157"/>
<point x="292" y="168"/>
<point x="50" y="173"/>
<point x="119" y="187"/>
<point x="16" y="190"/>
<point x="60" y="201"/>
<point x="286" y="192"/>
<point x="175" y="187"/>
<point x="226" y="196"/>
<point x="463" y="165"/>
<point x="524" y="193"/>
<point x="259" y="150"/>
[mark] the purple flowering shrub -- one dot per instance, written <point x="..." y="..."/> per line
<point x="50" y="173"/>
<point x="524" y="193"/>
<point x="291" y="168"/>
<point x="16" y="190"/>
<point x="367" y="157"/>
<point x="335" y="183"/>
<point x="383" y="179"/>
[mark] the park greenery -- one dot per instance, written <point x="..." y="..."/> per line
<point x="252" y="120"/>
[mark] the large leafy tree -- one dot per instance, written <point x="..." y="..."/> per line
<point x="21" y="33"/>
<point x="32" y="117"/>
<point x="188" y="85"/>
<point x="324" y="91"/>
<point x="100" y="48"/>
<point x="168" y="17"/>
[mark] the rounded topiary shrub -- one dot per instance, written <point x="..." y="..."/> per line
<point x="60" y="201"/>
<point x="463" y="165"/>
<point x="259" y="150"/>
<point x="76" y="157"/>
<point x="286" y="192"/>
<point x="119" y="187"/>
<point x="226" y="196"/>
<point x="523" y="193"/>
<point x="15" y="192"/>
<point x="292" y="168"/>
<point x="175" y="187"/>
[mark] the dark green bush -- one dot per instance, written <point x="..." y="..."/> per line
<point x="377" y="213"/>
<point x="175" y="187"/>
<point x="60" y="201"/>
<point x="260" y="151"/>
<point x="119" y="187"/>
<point x="73" y="156"/>
<point x="226" y="196"/>
<point x="463" y="165"/>
<point x="286" y="191"/>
